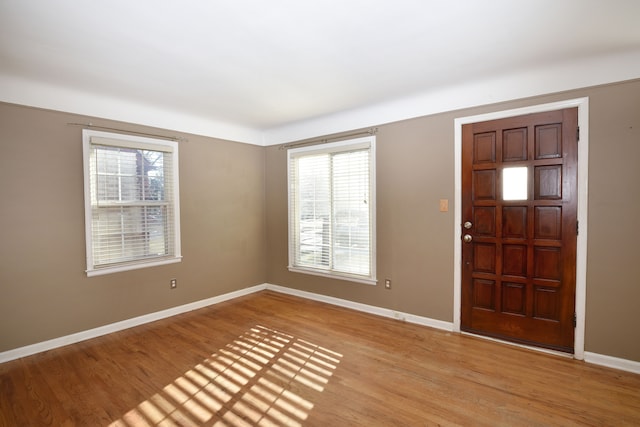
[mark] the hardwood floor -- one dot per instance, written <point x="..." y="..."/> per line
<point x="272" y="359"/>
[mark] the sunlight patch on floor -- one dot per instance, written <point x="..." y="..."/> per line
<point x="263" y="378"/>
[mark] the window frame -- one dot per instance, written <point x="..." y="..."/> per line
<point x="137" y="142"/>
<point x="334" y="147"/>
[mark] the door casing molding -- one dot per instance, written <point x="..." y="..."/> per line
<point x="581" y="249"/>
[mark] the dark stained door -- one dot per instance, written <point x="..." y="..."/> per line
<point x="519" y="213"/>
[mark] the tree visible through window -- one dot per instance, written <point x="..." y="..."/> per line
<point x="131" y="202"/>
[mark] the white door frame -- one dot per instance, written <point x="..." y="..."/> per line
<point x="583" y="163"/>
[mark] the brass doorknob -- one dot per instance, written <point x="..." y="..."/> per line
<point x="467" y="238"/>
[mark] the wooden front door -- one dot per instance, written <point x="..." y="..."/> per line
<point x="519" y="214"/>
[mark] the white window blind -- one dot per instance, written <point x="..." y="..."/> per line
<point x="131" y="202"/>
<point x="332" y="210"/>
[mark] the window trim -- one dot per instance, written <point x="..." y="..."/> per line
<point x="344" y="145"/>
<point x="136" y="142"/>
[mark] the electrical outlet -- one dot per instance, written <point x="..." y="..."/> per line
<point x="387" y="284"/>
<point x="173" y="283"/>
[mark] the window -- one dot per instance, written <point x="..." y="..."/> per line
<point x="332" y="210"/>
<point x="514" y="183"/>
<point x="132" y="214"/>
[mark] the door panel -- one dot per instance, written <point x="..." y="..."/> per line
<point x="519" y="191"/>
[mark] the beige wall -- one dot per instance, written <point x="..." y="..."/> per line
<point x="415" y="168"/>
<point x="45" y="293"/>
<point x="234" y="224"/>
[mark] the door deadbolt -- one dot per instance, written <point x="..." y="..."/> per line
<point x="467" y="225"/>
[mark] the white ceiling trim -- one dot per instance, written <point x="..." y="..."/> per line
<point x="41" y="95"/>
<point x="566" y="76"/>
<point x="562" y="77"/>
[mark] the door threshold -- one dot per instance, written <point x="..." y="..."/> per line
<point x="525" y="346"/>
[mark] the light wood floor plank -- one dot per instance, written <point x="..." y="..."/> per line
<point x="272" y="359"/>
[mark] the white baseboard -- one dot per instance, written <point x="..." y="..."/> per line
<point x="594" y="358"/>
<point x="612" y="362"/>
<point x="371" y="309"/>
<point x="152" y="317"/>
<point x="124" y="324"/>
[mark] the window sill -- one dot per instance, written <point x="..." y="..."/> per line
<point x="131" y="266"/>
<point x="334" y="275"/>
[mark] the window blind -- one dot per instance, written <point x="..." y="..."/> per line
<point x="132" y="203"/>
<point x="331" y="209"/>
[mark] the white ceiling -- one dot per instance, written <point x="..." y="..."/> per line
<point x="270" y="71"/>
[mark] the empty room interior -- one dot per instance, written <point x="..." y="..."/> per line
<point x="322" y="212"/>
